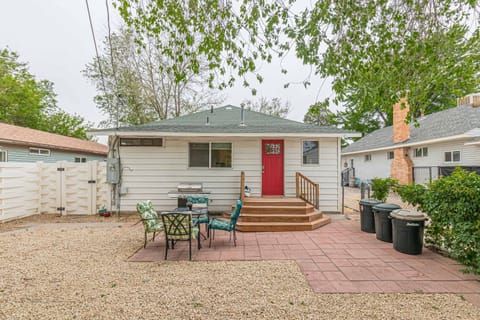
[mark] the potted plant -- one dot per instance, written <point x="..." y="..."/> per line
<point x="247" y="191"/>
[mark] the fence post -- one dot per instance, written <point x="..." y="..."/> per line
<point x="93" y="186"/>
<point x="60" y="192"/>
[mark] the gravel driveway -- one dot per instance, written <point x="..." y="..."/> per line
<point x="80" y="271"/>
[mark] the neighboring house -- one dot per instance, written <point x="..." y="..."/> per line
<point x="406" y="152"/>
<point x="213" y="147"/>
<point x="19" y="144"/>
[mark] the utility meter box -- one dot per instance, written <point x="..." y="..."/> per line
<point x="113" y="170"/>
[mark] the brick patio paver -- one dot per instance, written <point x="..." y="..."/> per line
<point x="336" y="258"/>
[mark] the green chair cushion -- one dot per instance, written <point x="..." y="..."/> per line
<point x="202" y="220"/>
<point x="220" y="225"/>
<point x="198" y="200"/>
<point x="149" y="217"/>
<point x="184" y="236"/>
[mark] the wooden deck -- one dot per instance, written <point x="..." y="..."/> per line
<point x="268" y="214"/>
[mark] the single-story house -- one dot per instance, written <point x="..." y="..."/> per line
<point x="19" y="144"/>
<point x="421" y="153"/>
<point x="213" y="147"/>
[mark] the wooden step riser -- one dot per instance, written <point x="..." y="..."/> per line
<point x="280" y="218"/>
<point x="290" y="210"/>
<point x="272" y="203"/>
<point x="284" y="228"/>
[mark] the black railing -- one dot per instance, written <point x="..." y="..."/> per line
<point x="347" y="174"/>
<point x="429" y="174"/>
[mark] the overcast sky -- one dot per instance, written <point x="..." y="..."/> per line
<point x="54" y="38"/>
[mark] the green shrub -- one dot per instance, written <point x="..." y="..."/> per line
<point x="381" y="187"/>
<point x="453" y="205"/>
<point x="412" y="194"/>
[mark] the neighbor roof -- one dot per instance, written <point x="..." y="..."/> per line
<point x="226" y="120"/>
<point x="11" y="134"/>
<point x="454" y="122"/>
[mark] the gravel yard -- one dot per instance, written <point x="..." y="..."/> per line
<point x="79" y="271"/>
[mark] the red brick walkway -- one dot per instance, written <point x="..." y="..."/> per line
<point x="336" y="258"/>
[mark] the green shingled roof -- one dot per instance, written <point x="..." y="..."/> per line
<point x="227" y="120"/>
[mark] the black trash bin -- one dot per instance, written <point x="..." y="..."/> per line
<point x="383" y="221"/>
<point x="407" y="228"/>
<point x="367" y="222"/>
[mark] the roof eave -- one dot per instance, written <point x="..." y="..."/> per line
<point x="223" y="134"/>
<point x="53" y="147"/>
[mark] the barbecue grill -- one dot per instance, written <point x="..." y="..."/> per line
<point x="186" y="189"/>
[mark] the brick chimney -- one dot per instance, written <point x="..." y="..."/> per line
<point x="401" y="130"/>
<point x="402" y="166"/>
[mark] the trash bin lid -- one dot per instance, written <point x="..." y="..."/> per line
<point x="370" y="201"/>
<point x="406" y="214"/>
<point x="386" y="207"/>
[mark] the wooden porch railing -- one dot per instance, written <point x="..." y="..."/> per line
<point x="307" y="190"/>
<point x="242" y="186"/>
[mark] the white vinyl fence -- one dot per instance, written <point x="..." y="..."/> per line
<point x="65" y="188"/>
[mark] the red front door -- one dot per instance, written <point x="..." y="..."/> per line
<point x="272" y="167"/>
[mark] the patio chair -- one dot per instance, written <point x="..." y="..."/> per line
<point x="178" y="226"/>
<point x="149" y="218"/>
<point x="200" y="203"/>
<point x="226" y="225"/>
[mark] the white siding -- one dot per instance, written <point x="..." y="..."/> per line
<point x="149" y="173"/>
<point x="326" y="173"/>
<point x="378" y="167"/>
<point x="469" y="154"/>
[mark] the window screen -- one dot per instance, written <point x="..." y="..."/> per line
<point x="198" y="153"/>
<point x="310" y="152"/>
<point x="221" y="155"/>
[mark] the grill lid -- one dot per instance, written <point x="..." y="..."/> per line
<point x="190" y="187"/>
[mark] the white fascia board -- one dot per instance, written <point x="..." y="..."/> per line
<point x="474" y="143"/>
<point x="221" y="134"/>
<point x="413" y="144"/>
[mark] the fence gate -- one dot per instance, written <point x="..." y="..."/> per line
<point x="76" y="188"/>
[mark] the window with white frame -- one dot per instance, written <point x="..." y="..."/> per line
<point x="210" y="154"/>
<point x="310" y="152"/>
<point x="390" y="155"/>
<point x="452" y="156"/>
<point x="368" y="157"/>
<point x="420" y="152"/>
<point x="3" y="155"/>
<point x="39" y="151"/>
<point x="80" y="159"/>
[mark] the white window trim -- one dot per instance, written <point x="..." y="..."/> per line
<point x="422" y="154"/>
<point x="209" y="156"/>
<point x="301" y="155"/>
<point x="38" y="152"/>
<point x="451" y="156"/>
<point x="369" y="156"/>
<point x="388" y="155"/>
<point x="5" y="152"/>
